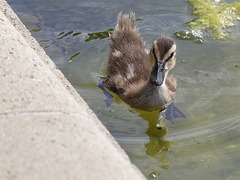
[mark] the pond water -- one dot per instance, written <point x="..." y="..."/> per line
<point x="204" y="145"/>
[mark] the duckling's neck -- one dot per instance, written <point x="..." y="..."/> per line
<point x="152" y="97"/>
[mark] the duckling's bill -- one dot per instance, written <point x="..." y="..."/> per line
<point x="158" y="74"/>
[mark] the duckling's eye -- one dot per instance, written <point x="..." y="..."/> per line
<point x="171" y="55"/>
<point x="153" y="51"/>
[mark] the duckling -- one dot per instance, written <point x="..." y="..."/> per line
<point x="139" y="76"/>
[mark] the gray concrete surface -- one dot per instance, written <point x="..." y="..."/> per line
<point x="47" y="131"/>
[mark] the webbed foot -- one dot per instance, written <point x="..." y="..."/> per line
<point x="172" y="112"/>
<point x="109" y="97"/>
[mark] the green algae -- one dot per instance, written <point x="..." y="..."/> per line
<point x="35" y="30"/>
<point x="73" y="56"/>
<point x="63" y="34"/>
<point x="215" y="16"/>
<point x="154" y="174"/>
<point x="99" y="35"/>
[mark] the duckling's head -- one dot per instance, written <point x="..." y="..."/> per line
<point x="162" y="58"/>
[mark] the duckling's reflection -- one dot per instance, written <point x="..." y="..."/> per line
<point x="157" y="145"/>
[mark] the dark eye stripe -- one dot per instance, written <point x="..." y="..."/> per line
<point x="170" y="57"/>
<point x="153" y="51"/>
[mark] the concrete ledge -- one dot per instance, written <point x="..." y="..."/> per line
<point x="47" y="131"/>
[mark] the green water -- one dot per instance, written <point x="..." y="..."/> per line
<point x="205" y="145"/>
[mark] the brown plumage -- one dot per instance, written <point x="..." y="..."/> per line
<point x="139" y="76"/>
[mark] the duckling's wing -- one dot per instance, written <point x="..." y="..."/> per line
<point x="171" y="83"/>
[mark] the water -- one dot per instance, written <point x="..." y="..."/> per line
<point x="206" y="144"/>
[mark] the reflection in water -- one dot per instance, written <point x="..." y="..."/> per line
<point x="157" y="145"/>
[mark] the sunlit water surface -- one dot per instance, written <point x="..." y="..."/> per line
<point x="205" y="145"/>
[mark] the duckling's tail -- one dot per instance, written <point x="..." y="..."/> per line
<point x="126" y="22"/>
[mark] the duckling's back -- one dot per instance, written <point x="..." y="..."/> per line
<point x="128" y="65"/>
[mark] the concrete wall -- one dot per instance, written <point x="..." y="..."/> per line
<point x="47" y="131"/>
